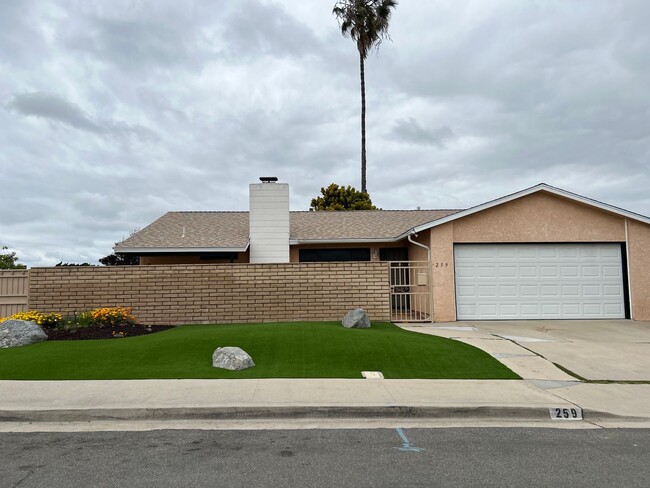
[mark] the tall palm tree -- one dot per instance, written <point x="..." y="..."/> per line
<point x="366" y="23"/>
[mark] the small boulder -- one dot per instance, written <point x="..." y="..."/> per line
<point x="14" y="333"/>
<point x="356" y="319"/>
<point x="232" y="358"/>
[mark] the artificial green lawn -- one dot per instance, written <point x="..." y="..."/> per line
<point x="281" y="350"/>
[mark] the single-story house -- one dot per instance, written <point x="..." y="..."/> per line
<point x="540" y="253"/>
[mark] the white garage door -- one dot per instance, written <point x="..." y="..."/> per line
<point x="539" y="281"/>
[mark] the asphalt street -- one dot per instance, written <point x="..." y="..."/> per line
<point x="382" y="457"/>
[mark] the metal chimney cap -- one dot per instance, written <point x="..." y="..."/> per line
<point x="268" y="179"/>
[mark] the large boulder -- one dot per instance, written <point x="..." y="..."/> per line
<point x="356" y="319"/>
<point x="14" y="333"/>
<point x="232" y="358"/>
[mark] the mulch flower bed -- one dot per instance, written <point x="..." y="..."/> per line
<point x="115" y="332"/>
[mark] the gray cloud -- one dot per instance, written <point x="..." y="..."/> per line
<point x="115" y="112"/>
<point x="52" y="107"/>
<point x="256" y="28"/>
<point x="409" y="130"/>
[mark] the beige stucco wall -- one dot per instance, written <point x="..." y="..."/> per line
<point x="442" y="272"/>
<point x="540" y="217"/>
<point x="639" y="267"/>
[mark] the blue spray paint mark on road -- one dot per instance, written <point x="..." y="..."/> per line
<point x="407" y="444"/>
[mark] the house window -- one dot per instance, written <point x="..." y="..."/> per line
<point x="328" y="255"/>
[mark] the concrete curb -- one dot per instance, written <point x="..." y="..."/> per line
<point x="293" y="412"/>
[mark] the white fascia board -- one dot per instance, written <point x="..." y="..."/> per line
<point x="528" y="191"/>
<point x="297" y="242"/>
<point x="173" y="250"/>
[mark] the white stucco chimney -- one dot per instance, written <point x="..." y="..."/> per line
<point x="269" y="221"/>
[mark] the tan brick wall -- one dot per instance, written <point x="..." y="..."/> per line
<point x="217" y="293"/>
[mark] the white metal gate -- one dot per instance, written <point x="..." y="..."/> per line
<point x="410" y="291"/>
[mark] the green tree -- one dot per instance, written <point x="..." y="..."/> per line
<point x="120" y="260"/>
<point x="336" y="197"/>
<point x="9" y="260"/>
<point x="366" y="23"/>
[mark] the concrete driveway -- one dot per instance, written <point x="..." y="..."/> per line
<point x="593" y="349"/>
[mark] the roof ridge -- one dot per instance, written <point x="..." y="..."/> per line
<point x="320" y="211"/>
<point x="207" y="211"/>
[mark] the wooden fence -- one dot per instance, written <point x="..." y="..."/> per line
<point x="14" y="291"/>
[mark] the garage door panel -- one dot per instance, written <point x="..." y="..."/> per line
<point x="552" y="291"/>
<point x="467" y="309"/>
<point x="528" y="271"/>
<point x="569" y="271"/>
<point x="530" y="310"/>
<point x="550" y="310"/>
<point x="590" y="272"/>
<point x="508" y="291"/>
<point x="528" y="291"/>
<point x="507" y="253"/>
<point x="589" y="252"/>
<point x="570" y="252"/>
<point x="526" y="252"/>
<point x="613" y="291"/>
<point x="465" y="271"/>
<point x="572" y="310"/>
<point x="510" y="281"/>
<point x="548" y="252"/>
<point x="614" y="309"/>
<point x="509" y="310"/>
<point x="611" y="271"/>
<point x="507" y="271"/>
<point x="610" y="252"/>
<point x="570" y="291"/>
<point x="589" y="291"/>
<point x="548" y="271"/>
<point x="487" y="291"/>
<point x="488" y="310"/>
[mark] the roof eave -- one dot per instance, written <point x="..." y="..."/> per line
<point x="174" y="250"/>
<point x="297" y="242"/>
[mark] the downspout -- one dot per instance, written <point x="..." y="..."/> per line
<point x="412" y="233"/>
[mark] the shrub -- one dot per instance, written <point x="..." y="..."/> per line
<point x="78" y="321"/>
<point x="46" y="320"/>
<point x="111" y="316"/>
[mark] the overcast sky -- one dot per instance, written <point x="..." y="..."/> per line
<point x="115" y="112"/>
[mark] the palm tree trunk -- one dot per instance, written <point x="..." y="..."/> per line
<point x="363" y="123"/>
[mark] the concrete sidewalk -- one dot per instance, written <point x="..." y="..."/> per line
<point x="67" y="401"/>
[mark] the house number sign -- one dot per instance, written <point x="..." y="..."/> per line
<point x="440" y="265"/>
<point x="564" y="413"/>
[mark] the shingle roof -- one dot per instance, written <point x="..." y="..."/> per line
<point x="192" y="230"/>
<point x="365" y="224"/>
<point x="229" y="230"/>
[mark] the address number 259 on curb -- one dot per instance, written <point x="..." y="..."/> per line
<point x="566" y="413"/>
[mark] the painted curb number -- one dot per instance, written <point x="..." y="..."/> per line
<point x="566" y="413"/>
